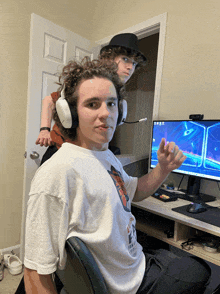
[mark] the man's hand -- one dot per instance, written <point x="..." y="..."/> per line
<point x="169" y="156"/>
<point x="44" y="139"/>
<point x="48" y="106"/>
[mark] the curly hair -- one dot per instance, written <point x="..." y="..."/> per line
<point x="73" y="74"/>
<point x="113" y="52"/>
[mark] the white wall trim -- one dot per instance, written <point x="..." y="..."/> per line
<point x="16" y="250"/>
<point x="142" y="30"/>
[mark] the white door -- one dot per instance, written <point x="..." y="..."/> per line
<point x="51" y="47"/>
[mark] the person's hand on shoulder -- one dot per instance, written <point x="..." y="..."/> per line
<point x="44" y="139"/>
<point x="169" y="156"/>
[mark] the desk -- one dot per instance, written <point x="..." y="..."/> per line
<point x="160" y="217"/>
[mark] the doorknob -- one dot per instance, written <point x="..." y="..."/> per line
<point x="34" y="155"/>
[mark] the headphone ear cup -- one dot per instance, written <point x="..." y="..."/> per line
<point x="122" y="112"/>
<point x="74" y="115"/>
<point x="67" y="114"/>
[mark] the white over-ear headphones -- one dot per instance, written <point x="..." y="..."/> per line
<point x="63" y="111"/>
<point x="69" y="118"/>
<point x="122" y="112"/>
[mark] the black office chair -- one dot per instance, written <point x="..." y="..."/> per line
<point x="81" y="274"/>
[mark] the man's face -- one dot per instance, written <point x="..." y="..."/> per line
<point x="126" y="67"/>
<point x="97" y="109"/>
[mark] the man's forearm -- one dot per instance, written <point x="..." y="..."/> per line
<point x="149" y="183"/>
<point x="47" y="112"/>
<point x="35" y="283"/>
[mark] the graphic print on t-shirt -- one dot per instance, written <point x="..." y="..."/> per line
<point x="130" y="228"/>
<point x="132" y="237"/>
<point x="120" y="186"/>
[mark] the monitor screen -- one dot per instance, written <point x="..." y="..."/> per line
<point x="199" y="141"/>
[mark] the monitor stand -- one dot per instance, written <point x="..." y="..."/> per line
<point x="193" y="191"/>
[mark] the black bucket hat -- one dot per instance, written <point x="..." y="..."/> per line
<point x="128" y="41"/>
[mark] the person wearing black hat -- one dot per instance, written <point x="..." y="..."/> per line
<point x="127" y="41"/>
<point x="122" y="49"/>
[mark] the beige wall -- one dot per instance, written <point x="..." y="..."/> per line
<point x="190" y="82"/>
<point x="14" y="47"/>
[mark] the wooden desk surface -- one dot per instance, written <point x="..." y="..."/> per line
<point x="164" y="209"/>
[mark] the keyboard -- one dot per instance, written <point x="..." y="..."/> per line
<point x="165" y="196"/>
<point x="172" y="195"/>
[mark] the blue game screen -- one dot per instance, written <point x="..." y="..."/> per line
<point x="199" y="141"/>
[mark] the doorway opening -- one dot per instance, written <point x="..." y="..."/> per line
<point x="134" y="139"/>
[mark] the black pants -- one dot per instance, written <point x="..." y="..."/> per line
<point x="167" y="273"/>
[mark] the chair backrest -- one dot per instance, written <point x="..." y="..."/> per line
<point x="81" y="274"/>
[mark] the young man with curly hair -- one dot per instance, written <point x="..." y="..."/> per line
<point x="123" y="50"/>
<point x="83" y="191"/>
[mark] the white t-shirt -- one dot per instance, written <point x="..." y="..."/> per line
<point x="84" y="193"/>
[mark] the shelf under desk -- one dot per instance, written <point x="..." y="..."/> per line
<point x="160" y="217"/>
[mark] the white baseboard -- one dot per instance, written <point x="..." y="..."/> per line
<point x="16" y="250"/>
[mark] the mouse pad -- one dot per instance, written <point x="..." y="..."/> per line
<point x="211" y="216"/>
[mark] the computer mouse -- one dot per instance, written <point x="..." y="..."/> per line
<point x="196" y="208"/>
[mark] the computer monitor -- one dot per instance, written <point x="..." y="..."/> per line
<point x="199" y="141"/>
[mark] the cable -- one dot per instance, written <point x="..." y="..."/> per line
<point x="180" y="183"/>
<point x="218" y="185"/>
<point x="134" y="122"/>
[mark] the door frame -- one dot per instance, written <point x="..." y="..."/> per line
<point x="144" y="29"/>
